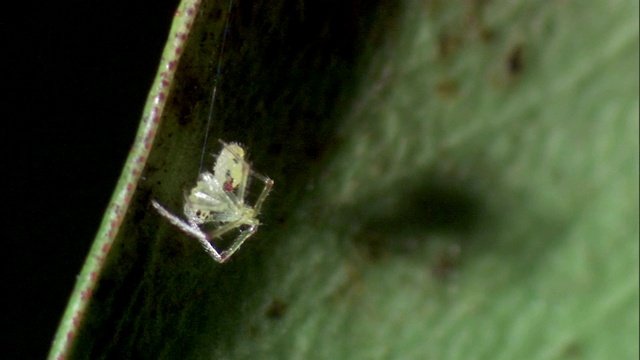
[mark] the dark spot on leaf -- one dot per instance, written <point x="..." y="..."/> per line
<point x="447" y="88"/>
<point x="448" y="44"/>
<point x="475" y="21"/>
<point x="572" y="350"/>
<point x="276" y="309"/>
<point x="514" y="61"/>
<point x="446" y="262"/>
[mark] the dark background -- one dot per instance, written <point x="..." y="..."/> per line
<point x="75" y="78"/>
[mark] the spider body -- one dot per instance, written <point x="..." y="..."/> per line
<point x="219" y="198"/>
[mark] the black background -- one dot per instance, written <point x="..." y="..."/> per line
<point x="75" y="77"/>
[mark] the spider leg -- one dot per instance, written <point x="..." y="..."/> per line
<point x="268" y="185"/>
<point x="181" y="224"/>
<point x="238" y="242"/>
<point x="190" y="229"/>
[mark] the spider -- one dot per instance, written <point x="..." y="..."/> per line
<point x="219" y="198"/>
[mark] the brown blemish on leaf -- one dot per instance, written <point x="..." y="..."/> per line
<point x="475" y="23"/>
<point x="447" y="88"/>
<point x="446" y="262"/>
<point x="448" y="44"/>
<point x="514" y="61"/>
<point x="509" y="67"/>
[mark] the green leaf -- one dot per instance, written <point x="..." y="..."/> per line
<point x="452" y="181"/>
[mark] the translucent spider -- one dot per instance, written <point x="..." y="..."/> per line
<point x="219" y="198"/>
